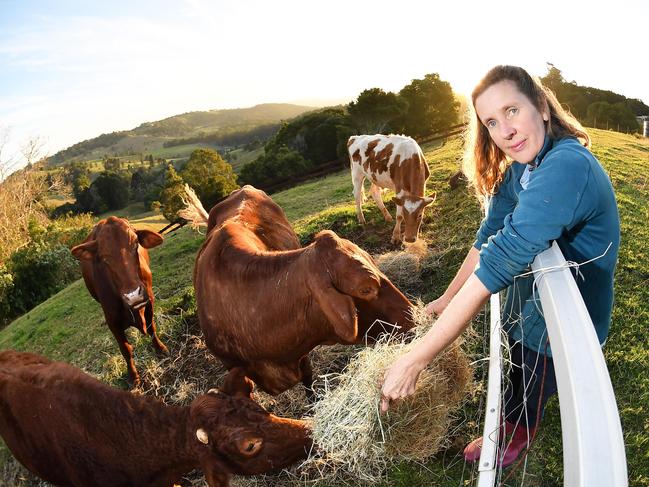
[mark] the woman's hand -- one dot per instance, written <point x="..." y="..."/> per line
<point x="438" y="306"/>
<point x="400" y="379"/>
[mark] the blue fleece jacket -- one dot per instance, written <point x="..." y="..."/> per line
<point x="567" y="197"/>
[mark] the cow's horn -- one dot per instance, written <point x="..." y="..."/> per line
<point x="213" y="391"/>
<point x="201" y="435"/>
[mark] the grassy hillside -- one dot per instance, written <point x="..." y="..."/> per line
<point x="149" y="137"/>
<point x="69" y="326"/>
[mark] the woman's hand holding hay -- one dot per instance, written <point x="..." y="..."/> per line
<point x="437" y="306"/>
<point x="401" y="378"/>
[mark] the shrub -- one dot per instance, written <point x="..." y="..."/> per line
<point x="40" y="270"/>
<point x="6" y="286"/>
<point x="43" y="267"/>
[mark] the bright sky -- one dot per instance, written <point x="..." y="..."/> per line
<point x="73" y="69"/>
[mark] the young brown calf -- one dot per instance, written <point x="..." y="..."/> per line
<point x="264" y="302"/>
<point x="115" y="268"/>
<point x="72" y="430"/>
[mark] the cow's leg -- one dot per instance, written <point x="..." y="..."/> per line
<point x="127" y="352"/>
<point x="375" y="191"/>
<point x="150" y="325"/>
<point x="215" y="473"/>
<point x="307" y="378"/>
<point x="274" y="378"/>
<point x="359" y="193"/>
<point x="396" y="233"/>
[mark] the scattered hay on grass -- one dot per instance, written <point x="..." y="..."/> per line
<point x="358" y="440"/>
<point x="404" y="267"/>
<point x="190" y="369"/>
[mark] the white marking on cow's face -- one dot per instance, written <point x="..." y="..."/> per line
<point x="133" y="294"/>
<point x="401" y="193"/>
<point x="412" y="206"/>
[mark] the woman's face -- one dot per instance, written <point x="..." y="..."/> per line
<point x="513" y="122"/>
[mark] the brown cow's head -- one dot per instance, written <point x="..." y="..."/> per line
<point x="115" y="248"/>
<point x="353" y="292"/>
<point x="411" y="209"/>
<point x="233" y="434"/>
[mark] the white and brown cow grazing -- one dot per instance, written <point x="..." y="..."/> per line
<point x="115" y="268"/>
<point x="264" y="302"/>
<point x="72" y="430"/>
<point x="394" y="162"/>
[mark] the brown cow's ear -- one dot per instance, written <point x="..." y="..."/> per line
<point x="340" y="310"/>
<point x="149" y="239"/>
<point x="85" y="250"/>
<point x="398" y="201"/>
<point x="237" y="384"/>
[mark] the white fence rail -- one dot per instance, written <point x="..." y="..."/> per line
<point x="593" y="445"/>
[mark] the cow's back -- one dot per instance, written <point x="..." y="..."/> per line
<point x="390" y="161"/>
<point x="255" y="209"/>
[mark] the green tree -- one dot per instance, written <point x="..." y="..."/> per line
<point x="113" y="189"/>
<point x="604" y="114"/>
<point x="431" y="106"/>
<point x="112" y="164"/>
<point x="209" y="175"/>
<point x="274" y="166"/>
<point x="319" y="136"/>
<point x="374" y="110"/>
<point x="554" y="79"/>
<point x="171" y="195"/>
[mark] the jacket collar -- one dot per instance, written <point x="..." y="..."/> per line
<point x="547" y="145"/>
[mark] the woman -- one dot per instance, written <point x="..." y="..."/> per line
<point x="531" y="158"/>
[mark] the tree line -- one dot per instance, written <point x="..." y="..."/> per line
<point x="594" y="107"/>
<point x="422" y="107"/>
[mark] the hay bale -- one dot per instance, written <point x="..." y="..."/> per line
<point x="403" y="266"/>
<point x="361" y="442"/>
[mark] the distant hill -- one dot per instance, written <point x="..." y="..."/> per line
<point x="150" y="137"/>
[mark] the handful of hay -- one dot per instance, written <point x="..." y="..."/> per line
<point x="349" y="427"/>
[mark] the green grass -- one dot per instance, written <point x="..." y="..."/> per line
<point x="69" y="326"/>
<point x="243" y="157"/>
<point x="179" y="151"/>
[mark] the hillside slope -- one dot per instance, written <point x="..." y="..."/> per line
<point x="149" y="137"/>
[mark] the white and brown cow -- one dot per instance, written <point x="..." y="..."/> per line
<point x="394" y="162"/>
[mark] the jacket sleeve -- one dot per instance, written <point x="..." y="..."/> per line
<point x="552" y="203"/>
<point x="500" y="205"/>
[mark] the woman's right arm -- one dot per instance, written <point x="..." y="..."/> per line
<point x="466" y="269"/>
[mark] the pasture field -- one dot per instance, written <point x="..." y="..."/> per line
<point x="179" y="151"/>
<point x="243" y="157"/>
<point x="69" y="326"/>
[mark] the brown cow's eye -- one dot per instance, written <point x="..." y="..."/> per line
<point x="250" y="447"/>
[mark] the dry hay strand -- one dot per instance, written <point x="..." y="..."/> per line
<point x="403" y="267"/>
<point x="361" y="443"/>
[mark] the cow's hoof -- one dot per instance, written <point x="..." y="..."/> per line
<point x="161" y="350"/>
<point x="395" y="241"/>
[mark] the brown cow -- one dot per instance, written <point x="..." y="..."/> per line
<point x="395" y="162"/>
<point x="115" y="268"/>
<point x="264" y="302"/>
<point x="72" y="430"/>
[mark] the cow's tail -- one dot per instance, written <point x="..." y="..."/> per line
<point x="193" y="211"/>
